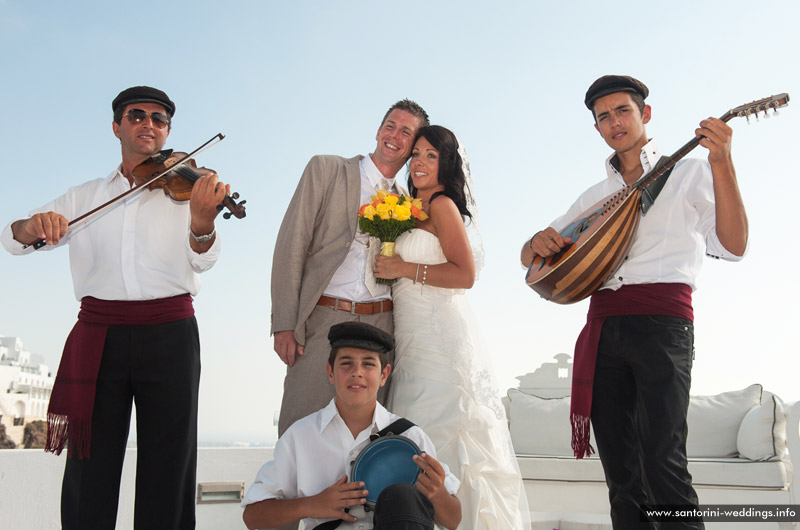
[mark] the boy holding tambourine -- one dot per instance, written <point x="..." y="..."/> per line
<point x="307" y="480"/>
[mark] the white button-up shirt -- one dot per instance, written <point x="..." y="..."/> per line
<point x="674" y="234"/>
<point x="316" y="451"/>
<point x="348" y="280"/>
<point x="136" y="250"/>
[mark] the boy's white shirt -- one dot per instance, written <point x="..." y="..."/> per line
<point x="317" y="450"/>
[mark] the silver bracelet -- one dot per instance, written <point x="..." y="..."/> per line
<point x="416" y="275"/>
<point x="203" y="239"/>
<point x="424" y="274"/>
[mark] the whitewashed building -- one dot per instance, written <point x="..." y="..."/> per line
<point x="25" y="387"/>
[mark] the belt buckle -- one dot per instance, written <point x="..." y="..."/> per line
<point x="353" y="308"/>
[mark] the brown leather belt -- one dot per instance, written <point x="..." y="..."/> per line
<point x="356" y="308"/>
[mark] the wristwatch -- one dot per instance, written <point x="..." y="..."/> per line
<point x="203" y="239"/>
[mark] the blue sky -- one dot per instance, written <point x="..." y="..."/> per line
<point x="286" y="80"/>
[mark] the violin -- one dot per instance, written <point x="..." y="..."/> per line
<point x="156" y="172"/>
<point x="176" y="173"/>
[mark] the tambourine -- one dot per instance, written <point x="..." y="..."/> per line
<point x="385" y="461"/>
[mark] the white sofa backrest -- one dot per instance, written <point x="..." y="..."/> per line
<point x="750" y="423"/>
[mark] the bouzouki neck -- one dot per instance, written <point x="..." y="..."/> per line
<point x="744" y="111"/>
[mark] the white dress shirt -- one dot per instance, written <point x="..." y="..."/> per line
<point x="674" y="234"/>
<point x="316" y="451"/>
<point x="136" y="250"/>
<point x="348" y="281"/>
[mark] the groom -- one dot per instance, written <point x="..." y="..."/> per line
<point x="320" y="260"/>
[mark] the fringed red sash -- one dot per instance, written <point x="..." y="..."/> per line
<point x="668" y="299"/>
<point x="69" y="414"/>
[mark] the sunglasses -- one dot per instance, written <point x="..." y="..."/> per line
<point x="135" y="116"/>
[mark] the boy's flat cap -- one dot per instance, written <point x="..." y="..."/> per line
<point x="360" y="335"/>
<point x="608" y="84"/>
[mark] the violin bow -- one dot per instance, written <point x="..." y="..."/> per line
<point x="217" y="138"/>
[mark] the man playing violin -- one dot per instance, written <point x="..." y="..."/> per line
<point x="135" y="269"/>
<point x="633" y="359"/>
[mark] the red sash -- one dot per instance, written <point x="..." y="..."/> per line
<point x="669" y="299"/>
<point x="69" y="414"/>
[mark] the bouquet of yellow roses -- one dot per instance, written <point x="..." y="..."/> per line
<point x="388" y="216"/>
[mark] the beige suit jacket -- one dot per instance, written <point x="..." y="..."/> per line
<point x="315" y="235"/>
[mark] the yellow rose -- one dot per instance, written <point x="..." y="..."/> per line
<point x="402" y="212"/>
<point x="384" y="211"/>
<point x="391" y="200"/>
<point x="369" y="212"/>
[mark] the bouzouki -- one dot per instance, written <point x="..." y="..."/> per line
<point x="602" y="235"/>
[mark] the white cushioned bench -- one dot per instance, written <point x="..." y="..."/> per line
<point x="739" y="447"/>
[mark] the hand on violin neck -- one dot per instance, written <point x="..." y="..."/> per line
<point x="207" y="194"/>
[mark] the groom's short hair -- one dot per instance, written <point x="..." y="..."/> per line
<point x="412" y="108"/>
<point x="362" y="336"/>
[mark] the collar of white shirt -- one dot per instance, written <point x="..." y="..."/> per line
<point x="374" y="175"/>
<point x="649" y="157"/>
<point x="380" y="418"/>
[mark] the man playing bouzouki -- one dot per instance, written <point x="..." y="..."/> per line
<point x="633" y="359"/>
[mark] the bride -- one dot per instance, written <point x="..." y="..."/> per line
<point x="439" y="381"/>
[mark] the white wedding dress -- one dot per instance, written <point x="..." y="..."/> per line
<point x="440" y="383"/>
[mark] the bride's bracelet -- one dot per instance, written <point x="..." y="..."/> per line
<point x="416" y="276"/>
<point x="424" y="274"/>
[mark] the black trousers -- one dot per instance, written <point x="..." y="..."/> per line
<point x="639" y="406"/>
<point x="158" y="368"/>
<point x="403" y="507"/>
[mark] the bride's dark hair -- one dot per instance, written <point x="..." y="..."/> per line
<point x="451" y="174"/>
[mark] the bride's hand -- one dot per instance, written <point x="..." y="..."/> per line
<point x="388" y="268"/>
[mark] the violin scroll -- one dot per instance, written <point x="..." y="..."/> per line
<point x="236" y="209"/>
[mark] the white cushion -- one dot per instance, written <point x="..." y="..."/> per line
<point x="714" y="422"/>
<point x="715" y="472"/>
<point x="539" y="426"/>
<point x="762" y="434"/>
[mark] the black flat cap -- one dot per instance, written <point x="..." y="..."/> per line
<point x="360" y="335"/>
<point x="608" y="84"/>
<point x="139" y="94"/>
